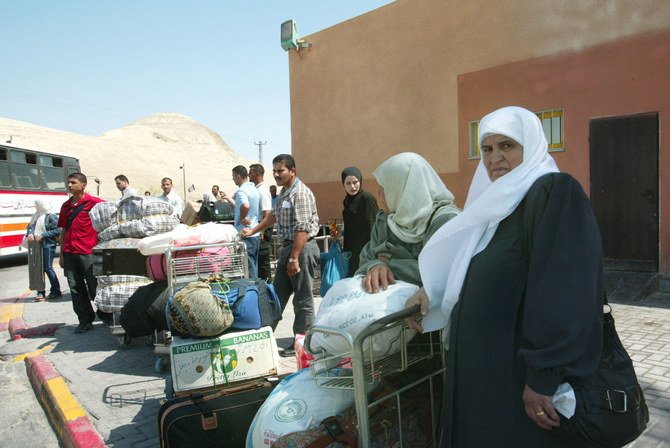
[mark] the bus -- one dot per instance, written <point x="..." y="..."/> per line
<point x="27" y="175"/>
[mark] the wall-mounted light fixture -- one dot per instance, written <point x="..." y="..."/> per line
<point x="290" y="39"/>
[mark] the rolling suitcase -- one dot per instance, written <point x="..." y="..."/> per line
<point x="220" y="418"/>
<point x="35" y="266"/>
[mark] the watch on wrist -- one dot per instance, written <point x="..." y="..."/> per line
<point x="292" y="260"/>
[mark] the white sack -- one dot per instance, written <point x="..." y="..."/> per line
<point x="296" y="404"/>
<point x="182" y="235"/>
<point x="346" y="306"/>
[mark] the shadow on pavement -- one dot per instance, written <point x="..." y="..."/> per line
<point x="143" y="399"/>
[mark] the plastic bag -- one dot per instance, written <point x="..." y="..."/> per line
<point x="334" y="266"/>
<point x="349" y="308"/>
<point x="296" y="404"/>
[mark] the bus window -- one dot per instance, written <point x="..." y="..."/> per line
<point x="24" y="170"/>
<point x="52" y="173"/>
<point x="5" y="178"/>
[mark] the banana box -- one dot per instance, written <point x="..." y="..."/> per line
<point x="214" y="362"/>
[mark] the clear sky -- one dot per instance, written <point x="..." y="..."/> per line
<point x="89" y="66"/>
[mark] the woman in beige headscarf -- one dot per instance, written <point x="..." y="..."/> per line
<point x="416" y="204"/>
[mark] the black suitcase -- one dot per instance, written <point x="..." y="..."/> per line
<point x="213" y="419"/>
<point x="119" y="261"/>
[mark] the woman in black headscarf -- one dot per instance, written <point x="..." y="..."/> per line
<point x="360" y="211"/>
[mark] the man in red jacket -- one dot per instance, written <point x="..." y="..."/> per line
<point x="76" y="241"/>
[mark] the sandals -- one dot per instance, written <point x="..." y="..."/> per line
<point x="40" y="298"/>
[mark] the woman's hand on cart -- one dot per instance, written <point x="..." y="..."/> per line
<point x="419" y="298"/>
<point x="245" y="232"/>
<point x="378" y="277"/>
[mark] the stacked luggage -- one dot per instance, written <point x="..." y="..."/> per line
<point x="222" y="350"/>
<point x="118" y="265"/>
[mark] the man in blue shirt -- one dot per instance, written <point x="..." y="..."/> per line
<point x="247" y="211"/>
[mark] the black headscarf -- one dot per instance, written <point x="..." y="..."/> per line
<point x="350" y="202"/>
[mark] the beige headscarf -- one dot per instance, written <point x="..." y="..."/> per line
<point x="42" y="208"/>
<point x="445" y="259"/>
<point x="413" y="192"/>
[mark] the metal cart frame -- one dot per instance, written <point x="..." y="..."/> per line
<point x="181" y="270"/>
<point x="367" y="371"/>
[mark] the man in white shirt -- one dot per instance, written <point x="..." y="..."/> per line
<point x="213" y="196"/>
<point x="171" y="197"/>
<point x="123" y="184"/>
<point x="256" y="173"/>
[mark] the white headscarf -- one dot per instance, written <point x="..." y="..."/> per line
<point x="413" y="191"/>
<point x="445" y="259"/>
<point x="42" y="208"/>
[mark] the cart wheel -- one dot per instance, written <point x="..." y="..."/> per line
<point x="169" y="388"/>
<point x="161" y="364"/>
<point x="149" y="340"/>
<point x="125" y="341"/>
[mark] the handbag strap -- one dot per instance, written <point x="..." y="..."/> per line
<point x="73" y="215"/>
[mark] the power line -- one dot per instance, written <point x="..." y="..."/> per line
<point x="54" y="100"/>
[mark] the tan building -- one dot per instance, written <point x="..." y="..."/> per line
<point x="416" y="75"/>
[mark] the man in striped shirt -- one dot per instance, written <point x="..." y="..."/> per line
<point x="297" y="224"/>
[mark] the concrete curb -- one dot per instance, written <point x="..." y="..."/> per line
<point x="67" y="416"/>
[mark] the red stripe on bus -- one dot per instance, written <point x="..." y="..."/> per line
<point x="58" y="193"/>
<point x="10" y="241"/>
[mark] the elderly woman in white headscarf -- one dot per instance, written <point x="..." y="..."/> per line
<point x="518" y="278"/>
<point x="416" y="204"/>
<point x="43" y="227"/>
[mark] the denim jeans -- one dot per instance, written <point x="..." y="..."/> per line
<point x="252" y="244"/>
<point x="48" y="254"/>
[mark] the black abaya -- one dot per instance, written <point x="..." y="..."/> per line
<point x="530" y="312"/>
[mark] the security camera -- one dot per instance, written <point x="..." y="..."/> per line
<point x="289" y="35"/>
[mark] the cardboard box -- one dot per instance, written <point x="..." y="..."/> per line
<point x="232" y="357"/>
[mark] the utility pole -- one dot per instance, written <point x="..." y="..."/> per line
<point x="183" y="168"/>
<point x="260" y="151"/>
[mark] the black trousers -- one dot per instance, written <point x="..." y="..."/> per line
<point x="264" y="270"/>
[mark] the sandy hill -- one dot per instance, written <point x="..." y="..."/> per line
<point x="145" y="151"/>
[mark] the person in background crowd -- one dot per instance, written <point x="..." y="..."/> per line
<point x="518" y="277"/>
<point x="147" y="193"/>
<point x="77" y="240"/>
<point x="256" y="174"/>
<point x="297" y="224"/>
<point x="213" y="196"/>
<point x="247" y="213"/>
<point x="273" y="194"/>
<point x="416" y="204"/>
<point x="123" y="185"/>
<point x="359" y="214"/>
<point x="43" y="227"/>
<point x="171" y="197"/>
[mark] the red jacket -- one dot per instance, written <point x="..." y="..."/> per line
<point x="81" y="236"/>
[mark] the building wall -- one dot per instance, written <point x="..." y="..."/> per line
<point x="626" y="77"/>
<point x="408" y="77"/>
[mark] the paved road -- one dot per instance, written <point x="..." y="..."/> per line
<point x="121" y="391"/>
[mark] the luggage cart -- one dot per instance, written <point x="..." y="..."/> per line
<point x="199" y="265"/>
<point x="366" y="370"/>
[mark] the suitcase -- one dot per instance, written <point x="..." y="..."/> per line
<point x="119" y="261"/>
<point x="213" y="419"/>
<point x="254" y="303"/>
<point x="35" y="266"/>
